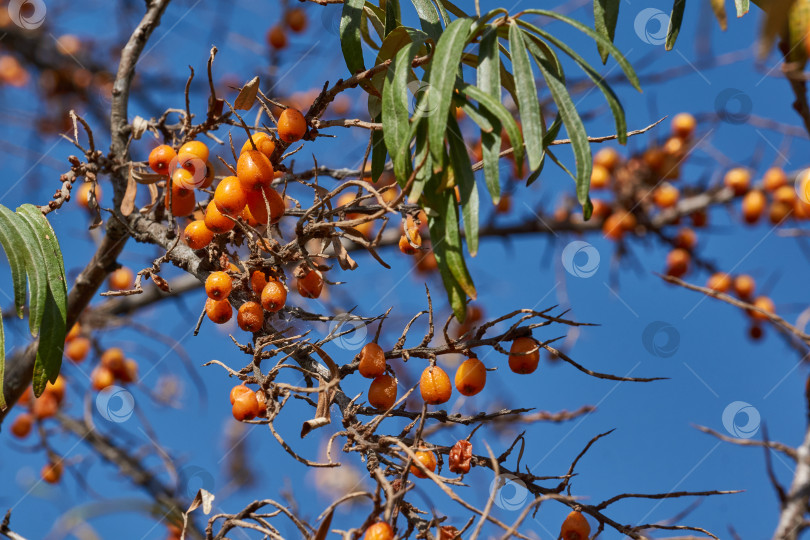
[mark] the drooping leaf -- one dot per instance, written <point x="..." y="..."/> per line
<point x="442" y="79"/>
<point x="422" y="160"/>
<point x="392" y="15"/>
<point x="452" y="8"/>
<point x="465" y="180"/>
<point x="378" y="151"/>
<point x="13" y="245"/>
<point x="742" y="7"/>
<point x="605" y="15"/>
<point x="350" y="35"/>
<point x="550" y="135"/>
<point x="489" y="81"/>
<point x="428" y="18"/>
<point x="439" y="220"/>
<point x="450" y="247"/>
<point x="28" y="247"/>
<point x="528" y="103"/>
<point x="395" y="115"/>
<point x="675" y="20"/>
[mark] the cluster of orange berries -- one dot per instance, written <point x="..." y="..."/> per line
<point x="775" y="189"/>
<point x="114" y="366"/>
<point x="295" y="19"/>
<point x="743" y="286"/>
<point x="247" y="404"/>
<point x="37" y="409"/>
<point x="435" y="386"/>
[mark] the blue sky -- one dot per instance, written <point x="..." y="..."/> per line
<point x="654" y="448"/>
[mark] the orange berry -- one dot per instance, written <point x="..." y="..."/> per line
<point x="448" y="532"/>
<point x="56" y="389"/>
<point x="686" y="239"/>
<point x="250" y="317"/>
<point x="296" y="20"/>
<point x="254" y="170"/>
<point x="600" y="177"/>
<point x="194" y="148"/>
<point x="130" y="372"/>
<point x="45" y="406"/>
<point x="182" y="200"/>
<point x="257" y="205"/>
<point x="607" y="158"/>
<point x="85" y="192"/>
<point x="261" y="398"/>
<point x="666" y="196"/>
<point x="744" y="286"/>
<point x="601" y="209"/>
<point x="264" y="144"/>
<point x="674" y="146"/>
<point x="26" y="397"/>
<point x="274" y="296"/>
<point x="291" y="125"/>
<point x="75" y="331"/>
<point x="471" y="376"/>
<point x="426" y="458"/>
<point x="185" y="179"/>
<point x="197" y="235"/>
<point x="504" y="205"/>
<point x="76" y="349"/>
<point x="683" y="126"/>
<point x="575" y="527"/>
<point x="753" y="204"/>
<point x="720" y="282"/>
<point x="218" y="285"/>
<point x="407" y="247"/>
<point x="216" y="221"/>
<point x="277" y="38"/>
<point x="52" y="472"/>
<point x="524" y="363"/>
<point x="699" y="219"/>
<point x="779" y="212"/>
<point x="101" y="378"/>
<point x="617" y="224"/>
<point x="122" y="279"/>
<point x="219" y="311"/>
<point x="678" y="262"/>
<point x="434" y="385"/>
<point x="161" y="157"/>
<point x="311" y="284"/>
<point x="257" y="281"/>
<point x="113" y="359"/>
<point x="209" y="176"/>
<point x="245" y="406"/>
<point x="237" y="391"/>
<point x="229" y="196"/>
<point x="785" y="194"/>
<point x="372" y="361"/>
<point x="801" y="209"/>
<point x="382" y="393"/>
<point x="426" y="263"/>
<point x="765" y="304"/>
<point x="774" y="178"/>
<point x="655" y="159"/>
<point x="22" y="425"/>
<point x="738" y="179"/>
<point x="379" y="531"/>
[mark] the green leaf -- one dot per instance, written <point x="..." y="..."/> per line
<point x="34" y="269"/>
<point x="379" y="154"/>
<point x="53" y="329"/>
<point x="613" y="101"/>
<point x="442" y="79"/>
<point x="443" y="12"/>
<point x="489" y="81"/>
<point x="392" y="15"/>
<point x="2" y="362"/>
<point x="428" y="18"/>
<point x="12" y="243"/>
<point x="395" y="115"/>
<point x="548" y="138"/>
<point x="505" y="118"/>
<point x="675" y="20"/>
<point x="528" y="103"/>
<point x="614" y="52"/>
<point x="421" y="156"/>
<point x="574" y="126"/>
<point x="451" y="247"/>
<point x="605" y="15"/>
<point x="350" y="40"/>
<point x="452" y="8"/>
<point x="465" y="180"/>
<point x="742" y="7"/>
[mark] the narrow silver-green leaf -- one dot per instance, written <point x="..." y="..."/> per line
<point x="34" y="269"/>
<point x="614" y="52"/>
<point x="742" y="7"/>
<point x="465" y="180"/>
<point x="392" y="15"/>
<point x="454" y="9"/>
<point x="428" y="18"/>
<point x="422" y="160"/>
<point x="451" y="246"/>
<point x="575" y="128"/>
<point x="675" y="20"/>
<point x="489" y="81"/>
<point x="378" y="151"/>
<point x="350" y="39"/>
<point x="605" y="15"/>
<point x="395" y="115"/>
<point x="528" y="103"/>
<point x="442" y="12"/>
<point x="442" y="79"/>
<point x="51" y="343"/>
<point x="12" y="244"/>
<point x="504" y="117"/>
